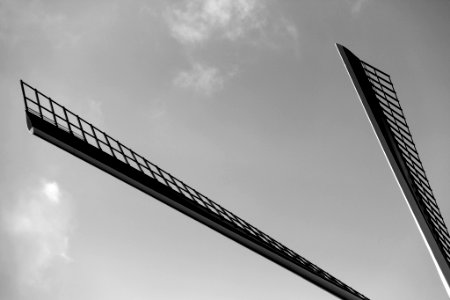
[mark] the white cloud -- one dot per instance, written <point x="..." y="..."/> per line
<point x="235" y="23"/>
<point x="195" y="21"/>
<point x="157" y="109"/>
<point x="38" y="226"/>
<point x="356" y="5"/>
<point x="291" y="30"/>
<point x="52" y="192"/>
<point x="202" y="78"/>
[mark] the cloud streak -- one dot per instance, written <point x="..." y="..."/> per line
<point x="39" y="20"/>
<point x="356" y="5"/>
<point x="38" y="229"/>
<point x="196" y="21"/>
<point x="201" y="78"/>
<point x="199" y="24"/>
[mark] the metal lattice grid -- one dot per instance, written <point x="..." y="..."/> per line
<point x="385" y="93"/>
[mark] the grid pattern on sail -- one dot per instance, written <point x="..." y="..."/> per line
<point x="387" y="98"/>
<point x="50" y="111"/>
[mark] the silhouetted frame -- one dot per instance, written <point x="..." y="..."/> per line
<point x="382" y="107"/>
<point x="65" y="129"/>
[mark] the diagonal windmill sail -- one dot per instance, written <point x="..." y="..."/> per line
<point x="379" y="99"/>
<point x="61" y="127"/>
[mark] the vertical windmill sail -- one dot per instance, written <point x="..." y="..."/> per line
<point x="379" y="99"/>
<point x="61" y="127"/>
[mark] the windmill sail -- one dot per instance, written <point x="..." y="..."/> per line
<point x="65" y="129"/>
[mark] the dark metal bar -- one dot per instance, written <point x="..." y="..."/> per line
<point x="107" y="137"/>
<point x="23" y="93"/>
<point x="53" y="111"/>
<point x="95" y="136"/>
<point x="67" y="119"/>
<point x="38" y="102"/>
<point x="81" y="127"/>
<point x="135" y="160"/>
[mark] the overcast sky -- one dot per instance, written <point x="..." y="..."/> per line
<point x="248" y="102"/>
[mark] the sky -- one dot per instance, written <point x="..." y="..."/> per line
<point x="247" y="101"/>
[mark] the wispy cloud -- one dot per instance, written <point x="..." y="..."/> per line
<point x="52" y="192"/>
<point x="38" y="229"/>
<point x="196" y="21"/>
<point x="157" y="108"/>
<point x="202" y="78"/>
<point x="356" y="5"/>
<point x="292" y="32"/>
<point x="21" y="19"/>
<point x="24" y="20"/>
<point x="233" y="23"/>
